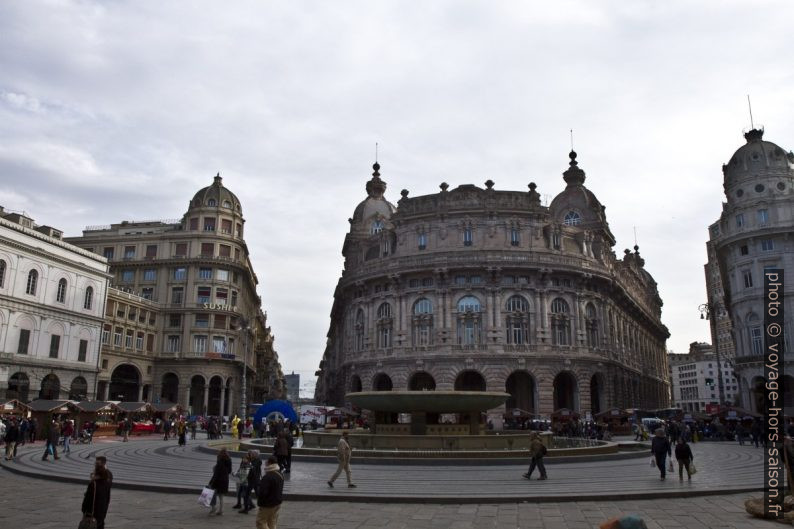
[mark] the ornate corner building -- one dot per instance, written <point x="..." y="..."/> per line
<point x="754" y="233"/>
<point x="183" y="319"/>
<point x="482" y="289"/>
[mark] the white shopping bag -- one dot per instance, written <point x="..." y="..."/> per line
<point x="205" y="498"/>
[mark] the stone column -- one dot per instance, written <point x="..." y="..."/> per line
<point x="140" y="392"/>
<point x="223" y="399"/>
<point x="206" y="398"/>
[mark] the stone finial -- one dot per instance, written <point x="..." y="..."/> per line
<point x="404" y="193"/>
<point x="376" y="187"/>
<point x="489" y="184"/>
<point x="444" y="186"/>
<point x="534" y="196"/>
<point x="574" y="176"/>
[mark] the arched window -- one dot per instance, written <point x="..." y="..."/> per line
<point x="469" y="320"/>
<point x="423" y="322"/>
<point x="560" y="322"/>
<point x="377" y="226"/>
<point x="227" y="204"/>
<point x="211" y="202"/>
<point x="2" y="273"/>
<point x="384" y="325"/>
<point x="517" y="320"/>
<point x="89" y="298"/>
<point x="33" y="279"/>
<point x="359" y="330"/>
<point x="592" y="325"/>
<point x="60" y="294"/>
<point x="572" y="218"/>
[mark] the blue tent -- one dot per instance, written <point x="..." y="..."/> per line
<point x="276" y="406"/>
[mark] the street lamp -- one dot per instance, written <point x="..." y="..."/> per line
<point x="707" y="313"/>
<point x="245" y="325"/>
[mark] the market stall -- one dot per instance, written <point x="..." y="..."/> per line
<point x="163" y="411"/>
<point x="140" y="413"/>
<point x="617" y="420"/>
<point x="100" y="414"/>
<point x="14" y="407"/>
<point x="44" y="411"/>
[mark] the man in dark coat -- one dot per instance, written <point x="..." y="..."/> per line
<point x="220" y="480"/>
<point x="97" y="497"/>
<point x="536" y="451"/>
<point x="269" y="496"/>
<point x="11" y="439"/>
<point x="254" y="477"/>
<point x="683" y="453"/>
<point x="53" y="433"/>
<point x="660" y="448"/>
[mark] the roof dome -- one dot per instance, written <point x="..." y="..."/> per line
<point x="576" y="205"/>
<point x="216" y="195"/>
<point x="757" y="158"/>
<point x="375" y="205"/>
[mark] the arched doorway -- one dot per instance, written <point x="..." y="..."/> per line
<point x="422" y="381"/>
<point x="50" y="388"/>
<point x="124" y="383"/>
<point x="597" y="394"/>
<point x="382" y="382"/>
<point x="214" y="402"/>
<point x="521" y="387"/>
<point x="758" y="395"/>
<point x="469" y="380"/>
<point x="170" y="388"/>
<point x="79" y="389"/>
<point x="197" y="395"/>
<point x="18" y="387"/>
<point x="566" y="391"/>
<point x="355" y="384"/>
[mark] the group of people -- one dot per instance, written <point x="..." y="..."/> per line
<point x="16" y="431"/>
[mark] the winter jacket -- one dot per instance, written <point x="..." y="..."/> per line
<point x="270" y="488"/>
<point x="255" y="473"/>
<point x="100" y="506"/>
<point x="220" y="476"/>
<point x="343" y="450"/>
<point x="12" y="434"/>
<point x="660" y="446"/>
<point x="280" y="447"/>
<point x="536" y="448"/>
<point x="683" y="452"/>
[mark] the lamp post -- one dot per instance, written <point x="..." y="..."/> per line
<point x="707" y="313"/>
<point x="245" y="326"/>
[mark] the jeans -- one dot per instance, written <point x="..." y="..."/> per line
<point x="66" y="440"/>
<point x="682" y="464"/>
<point x="661" y="460"/>
<point x="47" y="447"/>
<point x="242" y="494"/>
<point x="537" y="462"/>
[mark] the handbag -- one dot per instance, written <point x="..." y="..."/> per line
<point x="670" y="467"/>
<point x="205" y="498"/>
<point x="653" y="461"/>
<point x="692" y="469"/>
<point x="88" y="521"/>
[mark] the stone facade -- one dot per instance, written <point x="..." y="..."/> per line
<point x="195" y="277"/>
<point x="755" y="232"/>
<point x="474" y="288"/>
<point x="51" y="308"/>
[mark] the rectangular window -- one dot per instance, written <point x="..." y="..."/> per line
<point x="149" y="343"/>
<point x="757" y="340"/>
<point x="239" y="230"/>
<point x="230" y="346"/>
<point x="106" y="334"/>
<point x="467" y="236"/>
<point x="194" y="224"/>
<point x="208" y="249"/>
<point x="147" y="293"/>
<point x="219" y="344"/>
<point x="236" y="254"/>
<point x="222" y="275"/>
<point x="180" y="273"/>
<point x="127" y="276"/>
<point x="132" y="313"/>
<point x="108" y="252"/>
<point x="117" y="337"/>
<point x="55" y="345"/>
<point x="555" y="241"/>
<point x="204" y="294"/>
<point x="209" y="224"/>
<point x="122" y="310"/>
<point x="763" y="217"/>
<point x="173" y="344"/>
<point x="743" y="250"/>
<point x="748" y="279"/>
<point x="82" y="351"/>
<point x="139" y="341"/>
<point x="180" y="250"/>
<point x="151" y="250"/>
<point x="142" y="319"/>
<point x="176" y="295"/>
<point x="740" y="220"/>
<point x="767" y="245"/>
<point x="202" y="320"/>
<point x="427" y="282"/>
<point x="24" y="340"/>
<point x="234" y="298"/>
<point x="422" y="241"/>
<point x="460" y="280"/>
<point x="235" y="278"/>
<point x="174" y="320"/>
<point x="226" y="226"/>
<point x="220" y="321"/>
<point x="150" y="274"/>
<point x="200" y="343"/>
<point x="221" y="296"/>
<point x="129" y="252"/>
<point x="152" y="319"/>
<point x="205" y="273"/>
<point x="224" y="250"/>
<point x="514" y="239"/>
<point x="476" y="280"/>
<point x="128" y="339"/>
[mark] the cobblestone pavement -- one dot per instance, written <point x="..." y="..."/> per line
<point x="32" y="503"/>
<point x="153" y="463"/>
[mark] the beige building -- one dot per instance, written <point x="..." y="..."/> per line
<point x="694" y="378"/>
<point x="755" y="232"/>
<point x="476" y="289"/>
<point x="194" y="281"/>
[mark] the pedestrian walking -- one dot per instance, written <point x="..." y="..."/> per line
<point x="536" y="452"/>
<point x="126" y="427"/>
<point x="11" y="439"/>
<point x="269" y="496"/>
<point x="755" y="431"/>
<point x="34" y="429"/>
<point x="181" y="430"/>
<point x="220" y="480"/>
<point x="254" y="477"/>
<point x="67" y="432"/>
<point x="242" y="481"/>
<point x="280" y="450"/>
<point x="24" y="425"/>
<point x="166" y="429"/>
<point x="683" y="455"/>
<point x="193" y="430"/>
<point x="740" y="434"/>
<point x="97" y="496"/>
<point x="51" y="445"/>
<point x="660" y="448"/>
<point x="343" y="455"/>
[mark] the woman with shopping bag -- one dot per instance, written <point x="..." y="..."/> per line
<point x="220" y="480"/>
<point x="96" y="499"/>
<point x="660" y="448"/>
<point x="683" y="453"/>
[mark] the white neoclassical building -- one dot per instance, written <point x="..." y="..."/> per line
<point x="754" y="233"/>
<point x="52" y="297"/>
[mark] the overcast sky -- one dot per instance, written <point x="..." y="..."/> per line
<point x="121" y="110"/>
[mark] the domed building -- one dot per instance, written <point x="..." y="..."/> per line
<point x="481" y="289"/>
<point x="184" y="322"/>
<point x="754" y="233"/>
